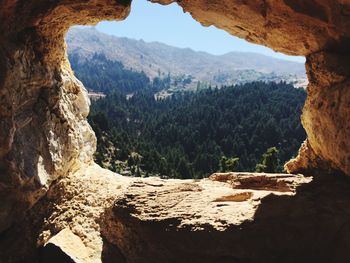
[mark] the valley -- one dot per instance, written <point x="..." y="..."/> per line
<point x="177" y="126"/>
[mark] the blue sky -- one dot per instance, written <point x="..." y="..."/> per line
<point x="168" y="24"/>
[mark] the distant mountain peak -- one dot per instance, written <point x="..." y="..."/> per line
<point x="155" y="57"/>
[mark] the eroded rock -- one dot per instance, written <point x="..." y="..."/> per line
<point x="123" y="219"/>
<point x="138" y="220"/>
<point x="326" y="115"/>
<point x="188" y="221"/>
<point x="75" y="202"/>
<point x="65" y="247"/>
<point x="293" y="27"/>
<point x="44" y="134"/>
<point x="158" y="224"/>
<point x="260" y="181"/>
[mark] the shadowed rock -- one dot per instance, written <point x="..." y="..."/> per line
<point x="65" y="247"/>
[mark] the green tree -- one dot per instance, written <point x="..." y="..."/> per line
<point x="222" y="164"/>
<point x="131" y="161"/>
<point x="138" y="172"/>
<point x="269" y="162"/>
<point x="199" y="127"/>
<point x="232" y="164"/>
<point x="228" y="164"/>
<point x="183" y="169"/>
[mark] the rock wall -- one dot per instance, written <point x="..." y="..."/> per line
<point x="326" y="115"/>
<point x="44" y="133"/>
<point x="294" y="27"/>
<point x="43" y="107"/>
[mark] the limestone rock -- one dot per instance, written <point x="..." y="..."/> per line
<point x="232" y="217"/>
<point x="65" y="247"/>
<point x="44" y="133"/>
<point x="76" y="202"/>
<point x="293" y="27"/>
<point x="306" y="160"/>
<point x="110" y="214"/>
<point x="203" y="221"/>
<point x="192" y="221"/>
<point x="326" y="115"/>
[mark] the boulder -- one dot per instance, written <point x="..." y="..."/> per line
<point x="65" y="247"/>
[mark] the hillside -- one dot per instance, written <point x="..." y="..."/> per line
<point x="156" y="58"/>
<point x="187" y="135"/>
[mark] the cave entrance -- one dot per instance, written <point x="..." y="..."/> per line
<point x="168" y="110"/>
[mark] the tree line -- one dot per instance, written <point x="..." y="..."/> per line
<point x="250" y="127"/>
<point x="194" y="134"/>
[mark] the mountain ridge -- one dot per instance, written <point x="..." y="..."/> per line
<point x="156" y="58"/>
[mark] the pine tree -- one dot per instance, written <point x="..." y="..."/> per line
<point x="269" y="162"/>
<point x="228" y="164"/>
<point x="222" y="164"/>
<point x="232" y="164"/>
<point x="183" y="169"/>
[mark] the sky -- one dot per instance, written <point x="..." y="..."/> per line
<point x="170" y="25"/>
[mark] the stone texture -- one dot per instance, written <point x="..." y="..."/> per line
<point x="65" y="247"/>
<point x="108" y="213"/>
<point x="294" y="27"/>
<point x="75" y="202"/>
<point x="171" y="222"/>
<point x="44" y="133"/>
<point x="326" y="114"/>
<point x="284" y="218"/>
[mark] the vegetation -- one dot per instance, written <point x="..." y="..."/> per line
<point x="187" y="67"/>
<point x="191" y="135"/>
<point x="228" y="164"/>
<point x="248" y="127"/>
<point x="269" y="162"/>
<point x="103" y="75"/>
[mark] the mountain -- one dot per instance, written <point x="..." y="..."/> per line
<point x="156" y="59"/>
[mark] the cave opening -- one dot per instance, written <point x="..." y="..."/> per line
<point x="157" y="109"/>
<point x="49" y="181"/>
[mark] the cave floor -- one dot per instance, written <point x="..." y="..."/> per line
<point x="229" y="217"/>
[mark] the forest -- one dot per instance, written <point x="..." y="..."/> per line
<point x="249" y="127"/>
<point x="100" y="74"/>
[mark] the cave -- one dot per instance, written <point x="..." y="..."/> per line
<point x="47" y="146"/>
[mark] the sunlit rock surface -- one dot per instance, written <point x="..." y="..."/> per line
<point x="326" y="115"/>
<point x="64" y="247"/>
<point x="132" y="217"/>
<point x="232" y="217"/>
<point x="294" y="27"/>
<point x="44" y="133"/>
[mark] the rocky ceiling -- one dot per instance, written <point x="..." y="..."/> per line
<point x="294" y="27"/>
